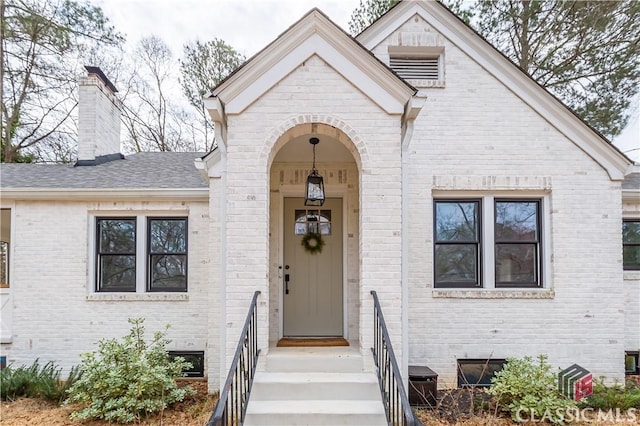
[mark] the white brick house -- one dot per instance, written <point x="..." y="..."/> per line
<point x="484" y="213"/>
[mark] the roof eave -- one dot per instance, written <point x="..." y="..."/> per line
<point x="267" y="67"/>
<point x="90" y="194"/>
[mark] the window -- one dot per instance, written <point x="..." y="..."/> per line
<point x="5" y="245"/>
<point x="116" y="254"/>
<point x="631" y="244"/>
<point x="457" y="243"/>
<point x="487" y="242"/>
<point x="478" y="372"/>
<point x="167" y="254"/>
<point x="631" y="365"/>
<point x="195" y="358"/>
<point x="316" y="221"/>
<point x="124" y="245"/>
<point x="517" y="243"/>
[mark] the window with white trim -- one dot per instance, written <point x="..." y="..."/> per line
<point x="5" y="246"/>
<point x="123" y="264"/>
<point x="457" y="243"/>
<point x="475" y="245"/>
<point x="631" y="244"/>
<point x="517" y="243"/>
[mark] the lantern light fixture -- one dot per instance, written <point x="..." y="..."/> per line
<point x="314" y="195"/>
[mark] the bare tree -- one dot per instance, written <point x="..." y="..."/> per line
<point x="43" y="46"/>
<point x="153" y="119"/>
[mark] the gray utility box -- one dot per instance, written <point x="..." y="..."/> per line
<point x="423" y="386"/>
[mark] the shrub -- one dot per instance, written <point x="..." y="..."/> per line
<point x="35" y="382"/>
<point x="126" y="380"/>
<point x="611" y="397"/>
<point x="526" y="388"/>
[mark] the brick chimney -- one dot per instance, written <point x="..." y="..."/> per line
<point x="98" y="120"/>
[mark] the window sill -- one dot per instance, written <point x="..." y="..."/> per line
<point x="493" y="293"/>
<point x="631" y="275"/>
<point x="138" y="297"/>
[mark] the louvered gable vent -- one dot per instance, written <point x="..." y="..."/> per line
<point x="416" y="68"/>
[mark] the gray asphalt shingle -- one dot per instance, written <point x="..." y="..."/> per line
<point x="631" y="181"/>
<point x="152" y="170"/>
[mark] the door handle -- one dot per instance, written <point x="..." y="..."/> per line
<point x="286" y="283"/>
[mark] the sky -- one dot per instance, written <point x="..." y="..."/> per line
<point x="248" y="26"/>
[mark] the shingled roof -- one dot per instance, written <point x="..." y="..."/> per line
<point x="144" y="170"/>
<point x="632" y="181"/>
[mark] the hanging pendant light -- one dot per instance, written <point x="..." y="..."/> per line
<point x="314" y="195"/>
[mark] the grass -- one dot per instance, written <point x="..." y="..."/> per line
<point x="35" y="381"/>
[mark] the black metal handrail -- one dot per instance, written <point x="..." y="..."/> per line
<point x="232" y="404"/>
<point x="394" y="395"/>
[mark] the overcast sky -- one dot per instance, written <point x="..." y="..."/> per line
<point x="248" y="26"/>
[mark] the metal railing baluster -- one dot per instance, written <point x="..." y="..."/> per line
<point x="232" y="404"/>
<point x="394" y="395"/>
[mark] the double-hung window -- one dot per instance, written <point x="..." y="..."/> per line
<point x="631" y="244"/>
<point x="517" y="243"/>
<point x="167" y="254"/>
<point x="131" y="257"/>
<point x="116" y="254"/>
<point x="487" y="242"/>
<point x="457" y="243"/>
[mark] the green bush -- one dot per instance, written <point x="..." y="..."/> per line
<point x="611" y="397"/>
<point x="35" y="382"/>
<point x="526" y="389"/>
<point x="126" y="380"/>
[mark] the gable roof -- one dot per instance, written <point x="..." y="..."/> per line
<point x="161" y="172"/>
<point x="313" y="34"/>
<point x="502" y="68"/>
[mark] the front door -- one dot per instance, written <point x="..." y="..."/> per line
<point x="313" y="281"/>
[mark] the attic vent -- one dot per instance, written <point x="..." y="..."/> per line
<point x="416" y="68"/>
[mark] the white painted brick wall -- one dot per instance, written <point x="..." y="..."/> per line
<point x="52" y="318"/>
<point x="98" y="119"/>
<point x="478" y="130"/>
<point x="314" y="92"/>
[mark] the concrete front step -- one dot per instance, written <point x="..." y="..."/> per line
<point x="313" y="412"/>
<point x="309" y="359"/>
<point x="268" y="386"/>
<point x="315" y="386"/>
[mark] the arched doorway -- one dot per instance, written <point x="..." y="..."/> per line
<point x="314" y="294"/>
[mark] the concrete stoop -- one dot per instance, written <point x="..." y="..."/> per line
<point x="315" y="386"/>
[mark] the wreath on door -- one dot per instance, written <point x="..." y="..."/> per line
<point x="312" y="242"/>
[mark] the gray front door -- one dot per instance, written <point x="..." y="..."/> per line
<point x="313" y="293"/>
